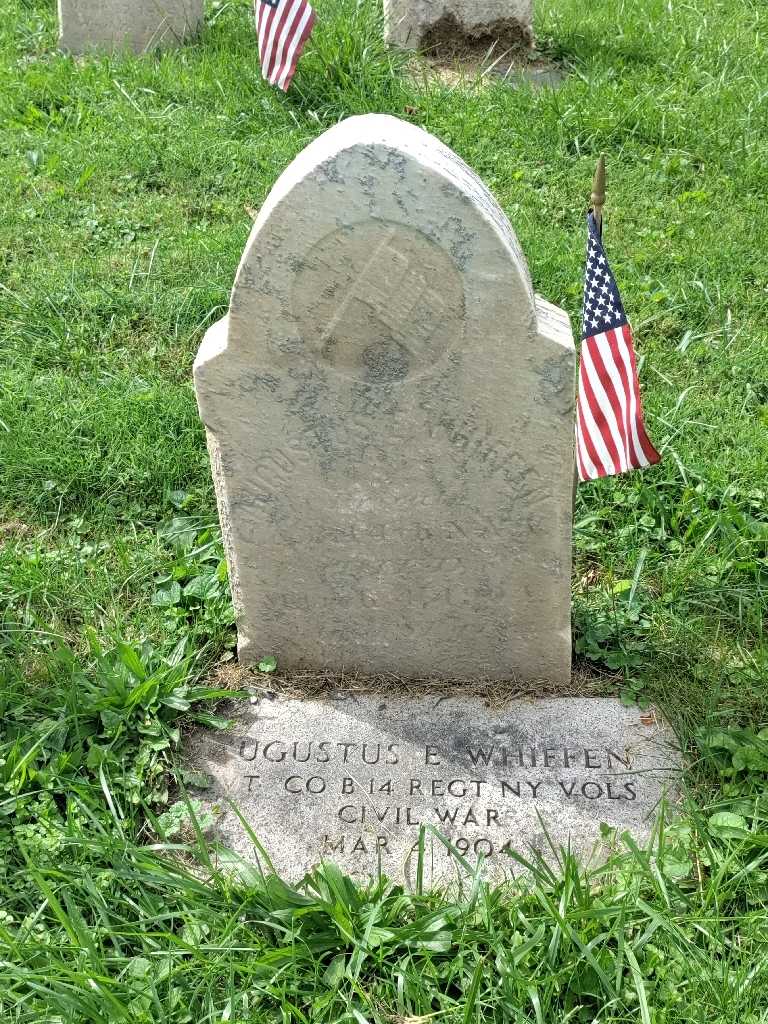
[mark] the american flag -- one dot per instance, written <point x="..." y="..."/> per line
<point x="610" y="435"/>
<point x="283" y="27"/>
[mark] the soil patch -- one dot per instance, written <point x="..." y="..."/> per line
<point x="233" y="676"/>
<point x="448" y="38"/>
<point x="481" y="65"/>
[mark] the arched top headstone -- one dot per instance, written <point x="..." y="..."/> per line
<point x="390" y="415"/>
<point x="373" y="200"/>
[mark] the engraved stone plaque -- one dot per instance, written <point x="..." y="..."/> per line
<point x="355" y="779"/>
<point x="390" y="417"/>
<point x="138" y="25"/>
<point x="387" y="299"/>
<point x="451" y="25"/>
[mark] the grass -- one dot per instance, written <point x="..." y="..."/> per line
<point x="129" y="186"/>
<point x="145" y="939"/>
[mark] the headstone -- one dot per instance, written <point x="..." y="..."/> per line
<point x="390" y="418"/>
<point x="450" y="25"/>
<point x="354" y="780"/>
<point x="137" y="25"/>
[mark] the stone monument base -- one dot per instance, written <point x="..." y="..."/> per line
<point x="451" y="26"/>
<point x="352" y="779"/>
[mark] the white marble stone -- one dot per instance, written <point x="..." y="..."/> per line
<point x="446" y="24"/>
<point x="390" y="418"/>
<point x="353" y="780"/>
<point x="137" y="25"/>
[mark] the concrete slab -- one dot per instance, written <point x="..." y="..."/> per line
<point x="352" y="779"/>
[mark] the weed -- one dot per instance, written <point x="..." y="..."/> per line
<point x="194" y="592"/>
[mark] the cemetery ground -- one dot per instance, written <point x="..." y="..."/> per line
<point x="129" y="187"/>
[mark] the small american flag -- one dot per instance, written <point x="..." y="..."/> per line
<point x="610" y="435"/>
<point x="283" y="28"/>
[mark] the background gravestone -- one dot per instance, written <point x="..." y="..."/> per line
<point x="137" y="25"/>
<point x="390" y="415"/>
<point x="448" y="25"/>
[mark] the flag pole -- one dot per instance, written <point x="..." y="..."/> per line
<point x="598" y="193"/>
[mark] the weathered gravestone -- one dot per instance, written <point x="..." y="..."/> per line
<point x="355" y="780"/>
<point x="390" y="416"/>
<point x="137" y="25"/>
<point x="450" y="25"/>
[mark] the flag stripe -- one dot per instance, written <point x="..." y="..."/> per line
<point x="592" y="434"/>
<point x="592" y="460"/>
<point x="626" y="356"/>
<point x="580" y="467"/>
<point x="297" y="45"/>
<point x="650" y="452"/>
<point x="587" y="468"/>
<point x="606" y="408"/>
<point x="269" y="14"/>
<point x="610" y="345"/>
<point x="269" y="40"/>
<point x="608" y="371"/>
<point x="283" y="30"/>
<point x="290" y="11"/>
<point x="289" y="30"/>
<point x="617" y="361"/>
<point x="261" y="10"/>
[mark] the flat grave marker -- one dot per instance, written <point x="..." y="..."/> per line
<point x="352" y="779"/>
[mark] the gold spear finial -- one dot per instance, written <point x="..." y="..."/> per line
<point x="598" y="193"/>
